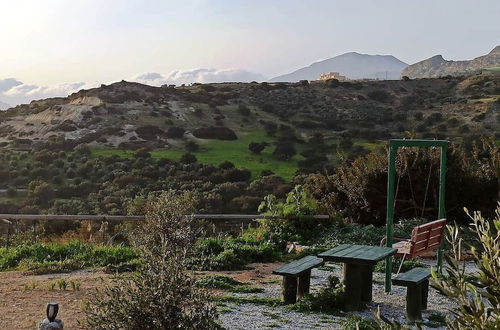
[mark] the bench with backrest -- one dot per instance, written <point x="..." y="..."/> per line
<point x="416" y="282"/>
<point x="424" y="238"/>
<point x="297" y="277"/>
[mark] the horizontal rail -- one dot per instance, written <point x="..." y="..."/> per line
<point x="104" y="217"/>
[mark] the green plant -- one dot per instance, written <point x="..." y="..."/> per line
<point x="62" y="284"/>
<point x="161" y="294"/>
<point x="293" y="219"/>
<point x="327" y="300"/>
<point x="356" y="322"/>
<point x="75" y="286"/>
<point x="478" y="300"/>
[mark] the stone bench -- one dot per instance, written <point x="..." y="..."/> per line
<point x="416" y="282"/>
<point x="297" y="277"/>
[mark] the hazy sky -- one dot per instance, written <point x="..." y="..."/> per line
<point x="61" y="41"/>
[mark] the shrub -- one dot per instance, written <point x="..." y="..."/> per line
<point x="243" y="110"/>
<point x="192" y="146"/>
<point x="284" y="151"/>
<point x="215" y="132"/>
<point x="293" y="220"/>
<point x="379" y="95"/>
<point x="257" y="147"/>
<point x="477" y="298"/>
<point x="162" y="294"/>
<point x="175" y="132"/>
<point x="188" y="158"/>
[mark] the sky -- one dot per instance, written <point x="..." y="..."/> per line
<point x="52" y="47"/>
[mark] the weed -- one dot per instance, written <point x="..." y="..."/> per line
<point x="75" y="286"/>
<point x="62" y="284"/>
<point x="216" y="281"/>
<point x="356" y="322"/>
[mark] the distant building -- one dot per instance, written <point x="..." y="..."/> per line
<point x="332" y="75"/>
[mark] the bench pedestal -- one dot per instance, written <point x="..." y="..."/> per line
<point x="289" y="289"/>
<point x="297" y="278"/>
<point x="416" y="282"/>
<point x="304" y="284"/>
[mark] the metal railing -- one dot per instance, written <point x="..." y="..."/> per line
<point x="224" y="221"/>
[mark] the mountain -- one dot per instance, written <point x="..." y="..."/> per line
<point x="4" y="106"/>
<point x="352" y="65"/>
<point x="437" y="66"/>
<point x="129" y="115"/>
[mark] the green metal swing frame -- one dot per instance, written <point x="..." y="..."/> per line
<point x="394" y="145"/>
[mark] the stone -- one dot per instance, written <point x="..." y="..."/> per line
<point x="47" y="325"/>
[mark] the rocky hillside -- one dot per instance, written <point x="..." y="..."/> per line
<point x="437" y="66"/>
<point x="352" y="65"/>
<point x="131" y="115"/>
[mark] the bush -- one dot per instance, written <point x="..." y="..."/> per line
<point x="188" y="158"/>
<point x="284" y="151"/>
<point x="477" y="298"/>
<point x="293" y="220"/>
<point x="162" y="294"/>
<point x="257" y="147"/>
<point x="232" y="253"/>
<point x="215" y="132"/>
<point x="175" y="132"/>
<point x="379" y="95"/>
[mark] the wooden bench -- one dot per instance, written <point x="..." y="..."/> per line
<point x="297" y="277"/>
<point x="416" y="282"/>
<point x="424" y="238"/>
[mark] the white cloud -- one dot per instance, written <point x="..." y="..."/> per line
<point x="198" y="76"/>
<point x="14" y="92"/>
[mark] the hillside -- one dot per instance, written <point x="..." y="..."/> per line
<point x="352" y="65"/>
<point x="437" y="66"/>
<point x="130" y="115"/>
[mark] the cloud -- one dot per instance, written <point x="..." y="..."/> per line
<point x="14" y="92"/>
<point x="8" y="83"/>
<point x="4" y="105"/>
<point x="198" y="76"/>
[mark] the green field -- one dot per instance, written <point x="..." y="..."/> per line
<point x="215" y="152"/>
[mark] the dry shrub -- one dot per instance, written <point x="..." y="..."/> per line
<point x="161" y="295"/>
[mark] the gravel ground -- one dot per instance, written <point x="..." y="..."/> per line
<point x="392" y="306"/>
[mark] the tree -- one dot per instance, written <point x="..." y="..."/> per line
<point x="257" y="147"/>
<point x="244" y="110"/>
<point x="192" y="146"/>
<point x="188" y="158"/>
<point x="41" y="192"/>
<point x="161" y="294"/>
<point x="284" y="151"/>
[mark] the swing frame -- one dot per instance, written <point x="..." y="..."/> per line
<point x="394" y="145"/>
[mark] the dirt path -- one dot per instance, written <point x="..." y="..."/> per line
<point x="23" y="298"/>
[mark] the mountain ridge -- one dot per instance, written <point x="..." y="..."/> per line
<point x="438" y="66"/>
<point x="353" y="65"/>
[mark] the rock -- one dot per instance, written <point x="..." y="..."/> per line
<point x="47" y="325"/>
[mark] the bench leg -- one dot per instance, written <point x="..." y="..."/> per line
<point x="425" y="293"/>
<point x="414" y="303"/>
<point x="352" y="282"/>
<point x="367" y="283"/>
<point x="304" y="284"/>
<point x="289" y="289"/>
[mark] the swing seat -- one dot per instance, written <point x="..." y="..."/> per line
<point x="424" y="238"/>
